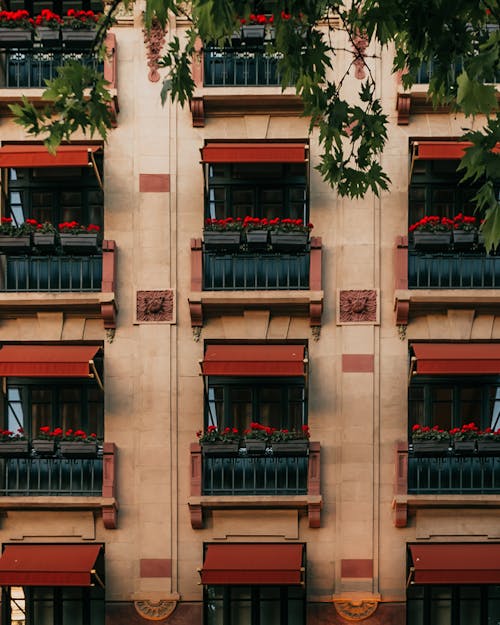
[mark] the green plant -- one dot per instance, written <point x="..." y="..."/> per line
<point x="9" y="228"/>
<point x="432" y="223"/>
<point x="224" y="225"/>
<point x="284" y="436"/>
<point x="80" y="20"/>
<point x="79" y="435"/>
<point x="468" y="432"/>
<point x="213" y="435"/>
<point x="426" y="433"/>
<point x="489" y="435"/>
<point x="289" y="225"/>
<point x="73" y="227"/>
<point x="45" y="228"/>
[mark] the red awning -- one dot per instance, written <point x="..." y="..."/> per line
<point x="443" y="150"/>
<point x="47" y="361"/>
<point x="254" y="360"/>
<point x="264" y="563"/>
<point x="457" y="358"/>
<point x="254" y="153"/>
<point x="48" y="565"/>
<point x="450" y="563"/>
<point x="38" y="156"/>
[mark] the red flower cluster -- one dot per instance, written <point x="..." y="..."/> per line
<point x="74" y="226"/>
<point x="8" y="435"/>
<point x="463" y="222"/>
<point x="16" y="19"/>
<point x="260" y="18"/>
<point x="6" y="220"/>
<point x="82" y="16"/>
<point x="45" y="433"/>
<point x="432" y="223"/>
<point x="48" y="18"/>
<point x="78" y="435"/>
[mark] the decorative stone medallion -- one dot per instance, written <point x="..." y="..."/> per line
<point x="355" y="610"/>
<point x="358" y="306"/>
<point x="155" y="306"/>
<point x="155" y="610"/>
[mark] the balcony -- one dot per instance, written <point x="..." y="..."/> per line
<point x="444" y="481"/>
<point x="434" y="282"/>
<point x="290" y="283"/>
<point x="236" y="69"/>
<point x="28" y="69"/>
<point x="61" y="483"/>
<point x="80" y="284"/>
<point x="257" y="481"/>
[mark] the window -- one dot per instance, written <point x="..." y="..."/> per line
<point x="453" y="605"/>
<point x="257" y="189"/>
<point x="254" y="605"/>
<point x="452" y="402"/>
<point x="56" y="403"/>
<point x="236" y="402"/>
<point x="37" y="605"/>
<point x="56" y="194"/>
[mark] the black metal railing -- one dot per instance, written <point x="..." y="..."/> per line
<point x="31" y="68"/>
<point x="255" y="475"/>
<point x="232" y="67"/>
<point x="453" y="474"/>
<point x="453" y="271"/>
<point x="426" y="71"/>
<point x="253" y="271"/>
<point x="51" y="476"/>
<point x="52" y="273"/>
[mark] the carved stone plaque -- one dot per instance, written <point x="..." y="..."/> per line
<point x="155" y="307"/>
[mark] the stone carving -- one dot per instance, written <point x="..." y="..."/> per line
<point x="359" y="43"/>
<point x="358" y="306"/>
<point x="155" y="306"/>
<point x="154" y="40"/>
<point x="355" y="610"/>
<point x="155" y="610"/>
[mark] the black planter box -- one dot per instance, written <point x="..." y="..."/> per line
<point x="78" y="449"/>
<point x="257" y="239"/>
<point x="220" y="449"/>
<point x="435" y="448"/>
<point x="255" y="446"/>
<point x="84" y="243"/>
<point x="45" y="242"/>
<point x="253" y="33"/>
<point x="18" y="449"/>
<point x="16" y="38"/>
<point x="432" y="240"/>
<point x="49" y="37"/>
<point x="43" y="446"/>
<point x="221" y="240"/>
<point x="289" y="241"/>
<point x="78" y="39"/>
<point x="464" y="447"/>
<point x="15" y="245"/>
<point x="290" y="448"/>
<point x="464" y="239"/>
<point x="488" y="447"/>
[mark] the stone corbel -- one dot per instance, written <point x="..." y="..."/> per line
<point x="108" y="312"/>
<point x="403" y="107"/>
<point x="196" y="513"/>
<point x="400" y="513"/>
<point x="197" y="106"/>
<point x="110" y="516"/>
<point x="402" y="308"/>
<point x="314" y="514"/>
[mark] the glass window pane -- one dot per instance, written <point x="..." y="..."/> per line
<point x="295" y="612"/>
<point x="241" y="612"/>
<point x="470" y="405"/>
<point x="15" y="413"/>
<point x="270" y="612"/>
<point x="72" y="613"/>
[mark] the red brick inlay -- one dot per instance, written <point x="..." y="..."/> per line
<point x="357" y="363"/>
<point x="356" y="568"/>
<point x="156" y="567"/>
<point x="154" y="183"/>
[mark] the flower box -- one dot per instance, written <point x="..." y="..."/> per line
<point x="464" y="239"/>
<point x="16" y="38"/>
<point x="255" y="445"/>
<point x="253" y="33"/>
<point x="45" y="242"/>
<point x="289" y="241"/>
<point x="464" y="446"/>
<point x="78" y="39"/>
<point x="43" y="446"/>
<point x="431" y="240"/>
<point x="81" y="243"/>
<point x="19" y="449"/>
<point x="488" y="447"/>
<point x="220" y="449"/>
<point x="14" y="245"/>
<point x="221" y="240"/>
<point x="50" y="37"/>
<point x="257" y="239"/>
<point x="435" y="448"/>
<point x="290" y="448"/>
<point x="78" y="449"/>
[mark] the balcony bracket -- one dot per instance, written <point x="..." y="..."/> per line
<point x="314" y="514"/>
<point x="110" y="516"/>
<point x="400" y="513"/>
<point x="108" y="312"/>
<point x="196" y="512"/>
<point x="403" y="107"/>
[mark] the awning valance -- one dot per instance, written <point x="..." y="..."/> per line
<point x="263" y="563"/>
<point x="254" y="153"/>
<point x="48" y="565"/>
<point x="456" y="358"/>
<point x="443" y="150"/>
<point x="38" y="156"/>
<point x="254" y="360"/>
<point x="48" y="361"/>
<point x="451" y="563"/>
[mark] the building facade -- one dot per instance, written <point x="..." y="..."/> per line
<point x="156" y="325"/>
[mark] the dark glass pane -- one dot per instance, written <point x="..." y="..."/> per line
<point x="443" y="202"/>
<point x="42" y="409"/>
<point x="42" y="206"/>
<point x="442" y="407"/>
<point x="240" y="408"/>
<point x="70" y="407"/>
<point x="470" y="405"/>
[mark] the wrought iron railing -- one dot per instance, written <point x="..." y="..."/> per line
<point x="232" y="67"/>
<point x="426" y="71"/>
<point x="31" y="68"/>
<point x="51" y="476"/>
<point x="254" y="271"/>
<point x="52" y="273"/>
<point x="453" y="271"/>
<point x="453" y="474"/>
<point x="255" y="475"/>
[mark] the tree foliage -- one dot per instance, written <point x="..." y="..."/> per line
<point x="352" y="129"/>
